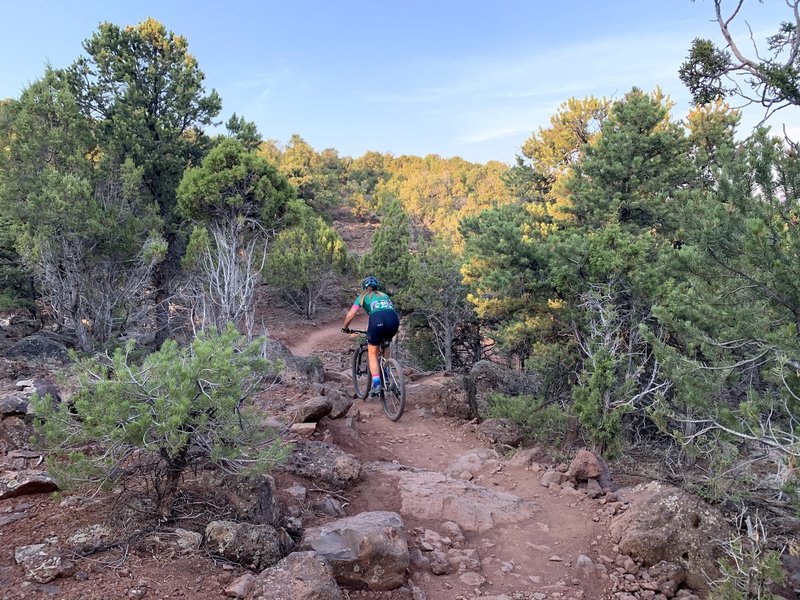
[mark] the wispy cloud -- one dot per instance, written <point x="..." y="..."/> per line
<point x="490" y="133"/>
<point x="485" y="99"/>
<point x="262" y="85"/>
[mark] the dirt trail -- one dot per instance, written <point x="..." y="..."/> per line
<point x="534" y="556"/>
<point x="323" y="337"/>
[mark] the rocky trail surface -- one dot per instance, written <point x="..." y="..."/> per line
<point x="432" y="507"/>
<point x="525" y="539"/>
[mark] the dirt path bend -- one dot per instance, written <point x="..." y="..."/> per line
<point x="537" y="555"/>
<point x="323" y="337"/>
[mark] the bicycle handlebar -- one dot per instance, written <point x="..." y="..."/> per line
<point x="348" y="330"/>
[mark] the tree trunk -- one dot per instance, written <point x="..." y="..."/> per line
<point x="448" y="350"/>
<point x="171" y="477"/>
<point x="162" y="280"/>
<point x="161" y="308"/>
<point x="573" y="426"/>
<point x="471" y="391"/>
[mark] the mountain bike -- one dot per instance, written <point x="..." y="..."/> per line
<point x="393" y="381"/>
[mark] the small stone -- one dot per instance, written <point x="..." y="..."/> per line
<point x="584" y="562"/>
<point x="439" y="563"/>
<point x="472" y="579"/>
<point x="555" y="558"/>
<point x="432" y="537"/>
<point x="240" y="587"/>
<point x="304" y="429"/>
<point x="631" y="566"/>
<point x="298" y="492"/>
<point x="188" y="541"/>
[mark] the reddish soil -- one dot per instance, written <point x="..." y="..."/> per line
<point x="566" y="526"/>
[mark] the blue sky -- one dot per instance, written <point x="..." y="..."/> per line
<point x="450" y="77"/>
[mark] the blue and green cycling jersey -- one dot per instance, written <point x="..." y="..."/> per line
<point x="373" y="302"/>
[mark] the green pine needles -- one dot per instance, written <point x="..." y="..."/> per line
<point x="144" y="423"/>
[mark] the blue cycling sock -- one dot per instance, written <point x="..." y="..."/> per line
<point x="376" y="381"/>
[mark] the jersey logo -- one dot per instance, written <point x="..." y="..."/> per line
<point x="380" y="305"/>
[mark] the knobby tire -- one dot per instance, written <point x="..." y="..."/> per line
<point x="393" y="389"/>
<point x="361" y="384"/>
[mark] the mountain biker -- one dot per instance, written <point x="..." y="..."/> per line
<point x="383" y="324"/>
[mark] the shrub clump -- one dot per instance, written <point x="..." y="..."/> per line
<point x="538" y="421"/>
<point x="143" y="423"/>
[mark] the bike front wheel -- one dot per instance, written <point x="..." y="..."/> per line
<point x="361" y="375"/>
<point x="393" y="391"/>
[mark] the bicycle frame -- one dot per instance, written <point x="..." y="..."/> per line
<point x="392" y="391"/>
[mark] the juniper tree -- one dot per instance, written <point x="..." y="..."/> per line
<point x="81" y="220"/>
<point x="390" y="253"/>
<point x="236" y="199"/>
<point x="303" y="262"/>
<point x="144" y="94"/>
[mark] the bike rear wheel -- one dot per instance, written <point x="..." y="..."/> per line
<point x="361" y="375"/>
<point x="393" y="390"/>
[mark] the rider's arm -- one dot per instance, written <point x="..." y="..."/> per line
<point x="353" y="312"/>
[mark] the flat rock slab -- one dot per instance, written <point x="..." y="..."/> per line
<point x="11" y="518"/>
<point x="432" y="495"/>
<point x="20" y="483"/>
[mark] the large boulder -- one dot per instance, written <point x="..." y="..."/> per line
<point x="253" y="499"/>
<point x="92" y="538"/>
<point x="41" y="387"/>
<point x="367" y="551"/>
<point x="254" y="546"/>
<point x="323" y="462"/>
<point x="13" y="404"/>
<point x="664" y="523"/>
<point x="295" y="368"/>
<point x="443" y="396"/>
<point x="487" y="377"/>
<point x="43" y="563"/>
<point x="340" y="403"/>
<point x="18" y="326"/>
<point x="313" y="409"/>
<point x="38" y="346"/>
<point x="467" y="397"/>
<point x="15" y="433"/>
<point x="299" y="576"/>
<point x="587" y="465"/>
<point x="501" y="431"/>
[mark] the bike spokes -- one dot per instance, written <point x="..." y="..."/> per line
<point x="361" y="375"/>
<point x="393" y="396"/>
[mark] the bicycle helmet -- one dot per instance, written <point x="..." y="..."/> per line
<point x="370" y="281"/>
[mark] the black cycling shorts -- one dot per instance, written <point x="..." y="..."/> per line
<point x="383" y="325"/>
